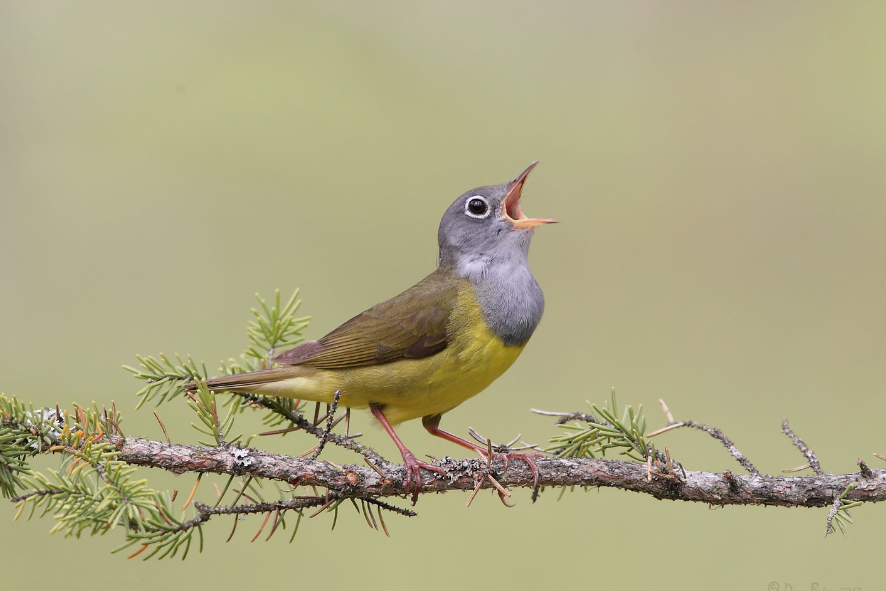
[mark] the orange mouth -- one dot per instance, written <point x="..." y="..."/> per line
<point x="511" y="204"/>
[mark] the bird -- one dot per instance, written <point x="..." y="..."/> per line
<point x="442" y="341"/>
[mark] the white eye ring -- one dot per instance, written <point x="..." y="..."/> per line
<point x="478" y="216"/>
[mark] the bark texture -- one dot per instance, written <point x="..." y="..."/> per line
<point x="387" y="480"/>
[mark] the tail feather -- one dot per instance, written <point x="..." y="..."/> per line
<point x="245" y="382"/>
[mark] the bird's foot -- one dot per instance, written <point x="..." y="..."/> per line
<point x="413" y="481"/>
<point x="505" y="453"/>
<point x="506" y="456"/>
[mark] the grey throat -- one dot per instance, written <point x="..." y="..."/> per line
<point x="492" y="254"/>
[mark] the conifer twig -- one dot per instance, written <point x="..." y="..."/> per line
<point x="804" y="449"/>
<point x="712" y="431"/>
<point x="298" y="420"/>
<point x="330" y="423"/>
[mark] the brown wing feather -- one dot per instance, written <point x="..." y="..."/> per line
<point x="411" y="325"/>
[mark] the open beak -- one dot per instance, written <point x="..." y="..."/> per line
<point x="511" y="203"/>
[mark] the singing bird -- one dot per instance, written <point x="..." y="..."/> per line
<point x="442" y="341"/>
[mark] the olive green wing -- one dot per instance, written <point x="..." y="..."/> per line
<point x="411" y="325"/>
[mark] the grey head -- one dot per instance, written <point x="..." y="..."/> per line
<point x="484" y="237"/>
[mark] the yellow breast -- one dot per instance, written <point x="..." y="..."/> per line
<point x="413" y="388"/>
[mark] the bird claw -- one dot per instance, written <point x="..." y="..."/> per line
<point x="506" y="457"/>
<point x="413" y="480"/>
<point x="501" y="496"/>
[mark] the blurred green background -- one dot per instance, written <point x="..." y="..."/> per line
<point x="717" y="168"/>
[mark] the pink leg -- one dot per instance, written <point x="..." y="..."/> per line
<point x="432" y="425"/>
<point x="413" y="480"/>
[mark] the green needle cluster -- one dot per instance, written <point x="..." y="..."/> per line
<point x="591" y="436"/>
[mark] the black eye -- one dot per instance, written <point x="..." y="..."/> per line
<point x="477" y="207"/>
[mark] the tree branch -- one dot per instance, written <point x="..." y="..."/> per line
<point x="356" y="481"/>
<point x="810" y="456"/>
